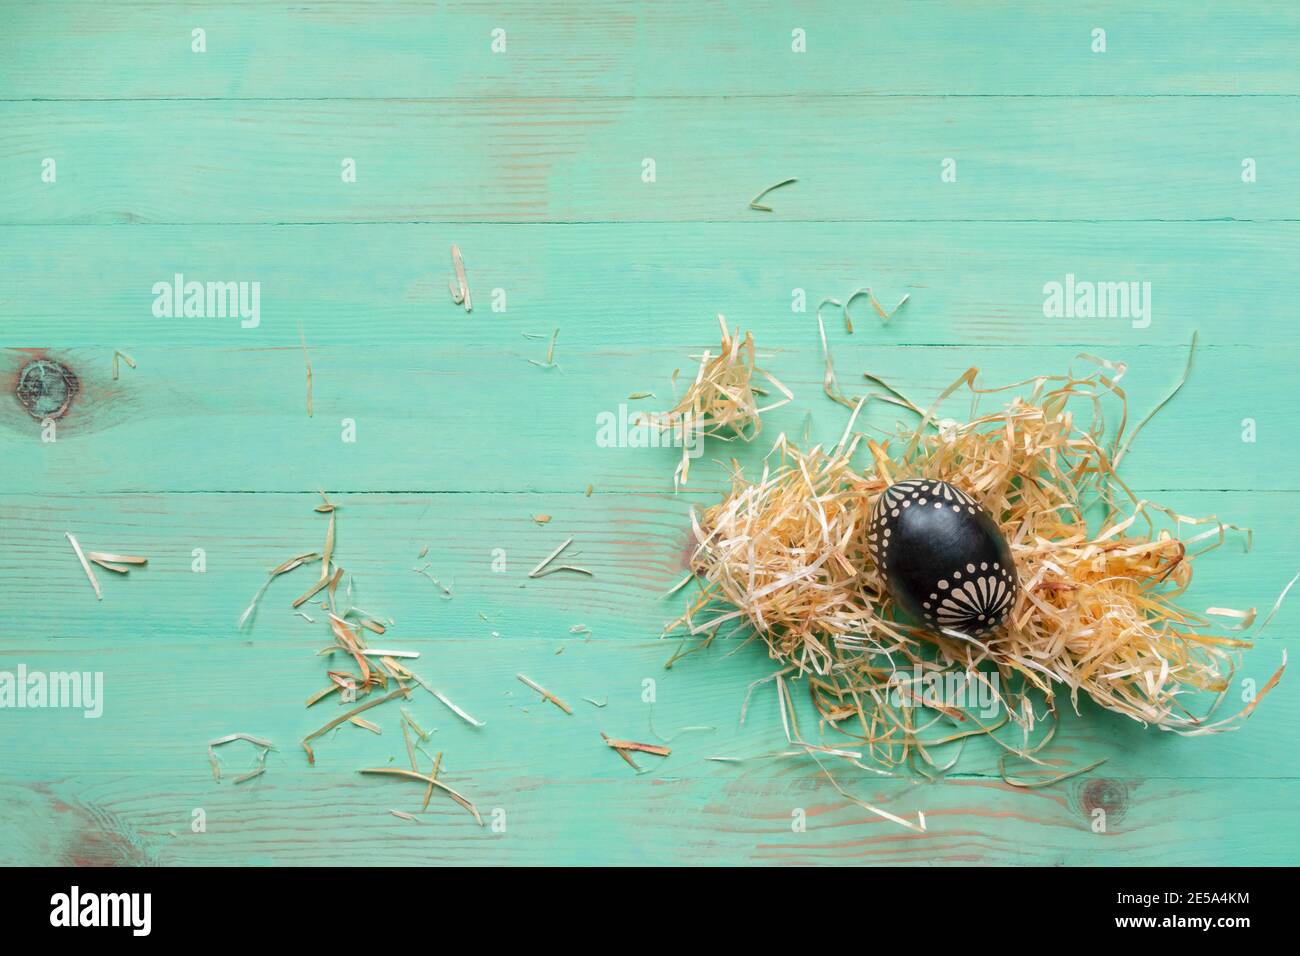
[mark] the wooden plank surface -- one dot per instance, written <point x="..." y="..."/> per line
<point x="631" y="286"/>
<point x="1123" y="166"/>
<point x="547" y="425"/>
<point x="583" y="159"/>
<point x="614" y="48"/>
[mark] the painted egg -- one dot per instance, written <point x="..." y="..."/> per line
<point x="942" y="557"/>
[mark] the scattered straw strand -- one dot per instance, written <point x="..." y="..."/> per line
<point x="546" y="694"/>
<point x="307" y="359"/>
<point x="433" y="781"/>
<point x="85" y="566"/>
<point x="755" y="204"/>
<point x="460" y="292"/>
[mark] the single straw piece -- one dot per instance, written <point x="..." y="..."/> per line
<point x="294" y="562"/>
<point x="117" y="354"/>
<point x="266" y="746"/>
<point x="567" y="567"/>
<point x="98" y="556"/>
<point x="416" y="775"/>
<point x="85" y="565"/>
<point x="655" y="749"/>
<point x="460" y="296"/>
<point x="447" y="593"/>
<point x="755" y="204"/>
<point x="423" y="735"/>
<point x="328" y="554"/>
<point x="255" y="772"/>
<point x="550" y="353"/>
<point x="428" y="793"/>
<point x="306" y="358"/>
<point x="306" y="741"/>
<point x="546" y="694"/>
<point x="627" y="757"/>
<point x="410" y="747"/>
<point x="1187" y="371"/>
<point x="311" y="592"/>
<point x="535" y="572"/>
<point x="463" y="715"/>
<point x="369" y="725"/>
<point x="875" y="304"/>
<point x="110" y="566"/>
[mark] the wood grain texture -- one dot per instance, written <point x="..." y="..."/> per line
<point x="738" y="816"/>
<point x="581" y="159"/>
<point x="616" y="48"/>
<point x="488" y="420"/>
<point x="225" y="166"/>
<point x="630" y="286"/>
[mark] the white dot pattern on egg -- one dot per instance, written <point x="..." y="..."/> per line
<point x="942" y="557"/>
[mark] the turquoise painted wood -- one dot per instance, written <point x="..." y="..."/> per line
<point x="412" y="410"/>
<point x="611" y="48"/>
<point x="1230" y="280"/>
<point x="225" y="166"/>
<point x="869" y="158"/>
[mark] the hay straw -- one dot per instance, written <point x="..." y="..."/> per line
<point x="875" y="304"/>
<point x="536" y="572"/>
<point x="460" y="291"/>
<point x="447" y="593"/>
<point x="264" y="746"/>
<point x="656" y="749"/>
<point x="722" y="402"/>
<point x="785" y="557"/>
<point x="420" y="732"/>
<point x="110" y="566"/>
<point x="550" y="354"/>
<point x="755" y="204"/>
<point x="295" y="562"/>
<point x="118" y="354"/>
<point x="306" y="741"/>
<point x="99" y="556"/>
<point x="306" y="357"/>
<point x="117" y="563"/>
<point x="546" y="694"/>
<point x="446" y="701"/>
<point x="432" y="781"/>
<point x="85" y="566"/>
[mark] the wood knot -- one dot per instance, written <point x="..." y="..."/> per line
<point x="1101" y="793"/>
<point x="46" y="388"/>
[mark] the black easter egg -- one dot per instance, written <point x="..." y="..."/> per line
<point x="942" y="557"/>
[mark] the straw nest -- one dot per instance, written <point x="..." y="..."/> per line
<point x="1098" y="613"/>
